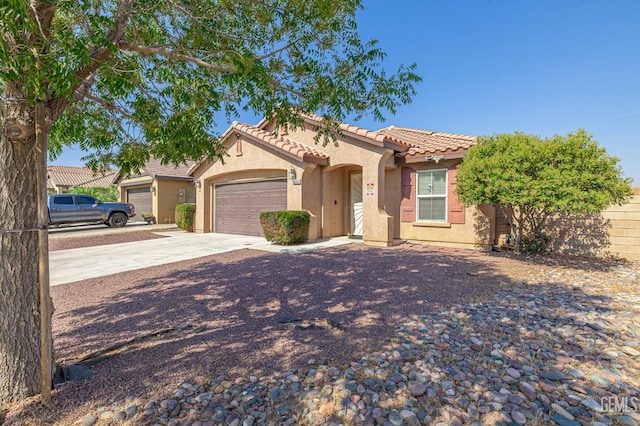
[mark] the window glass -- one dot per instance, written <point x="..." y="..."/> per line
<point x="432" y="182"/>
<point x="84" y="200"/>
<point x="432" y="195"/>
<point x="432" y="209"/>
<point x="63" y="199"/>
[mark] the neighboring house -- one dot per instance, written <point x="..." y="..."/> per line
<point x="157" y="189"/>
<point x="393" y="184"/>
<point x="63" y="179"/>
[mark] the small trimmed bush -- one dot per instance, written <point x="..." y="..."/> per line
<point x="285" y="227"/>
<point x="184" y="216"/>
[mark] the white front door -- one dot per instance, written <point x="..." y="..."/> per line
<point x="356" y="205"/>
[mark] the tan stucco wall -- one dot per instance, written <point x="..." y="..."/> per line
<point x="351" y="155"/>
<point x="168" y="194"/>
<point x="625" y="228"/>
<point x="324" y="191"/>
<point x="475" y="233"/>
<point x="255" y="163"/>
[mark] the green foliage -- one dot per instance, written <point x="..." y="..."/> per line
<point x="285" y="227"/>
<point x="535" y="178"/>
<point x="130" y="80"/>
<point x="184" y="216"/>
<point x="109" y="193"/>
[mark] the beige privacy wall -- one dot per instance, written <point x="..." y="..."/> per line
<point x="615" y="231"/>
<point x="625" y="228"/>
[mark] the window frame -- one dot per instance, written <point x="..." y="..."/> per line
<point x="445" y="196"/>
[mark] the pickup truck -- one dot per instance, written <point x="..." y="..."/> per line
<point x="80" y="208"/>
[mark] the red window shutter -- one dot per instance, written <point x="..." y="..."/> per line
<point x="408" y="203"/>
<point x="456" y="208"/>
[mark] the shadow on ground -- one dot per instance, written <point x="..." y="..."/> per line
<point x="249" y="312"/>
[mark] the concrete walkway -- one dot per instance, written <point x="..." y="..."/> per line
<point x="79" y="264"/>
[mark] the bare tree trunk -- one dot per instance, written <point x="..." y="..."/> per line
<point x="20" y="331"/>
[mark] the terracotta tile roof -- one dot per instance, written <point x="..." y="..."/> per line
<point x="375" y="138"/>
<point x="427" y="141"/>
<point x="283" y="144"/>
<point x="78" y="176"/>
<point x="156" y="169"/>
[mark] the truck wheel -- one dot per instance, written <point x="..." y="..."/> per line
<point x="118" y="220"/>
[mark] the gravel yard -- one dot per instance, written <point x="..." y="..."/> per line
<point x="351" y="335"/>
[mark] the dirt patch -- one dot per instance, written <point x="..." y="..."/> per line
<point x="56" y="244"/>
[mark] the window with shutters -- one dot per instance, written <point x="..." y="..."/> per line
<point x="431" y="195"/>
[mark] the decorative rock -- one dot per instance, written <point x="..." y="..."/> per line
<point x="590" y="403"/>
<point x="89" y="420"/>
<point x="395" y="418"/>
<point x="417" y="388"/>
<point x="630" y="351"/>
<point x="612" y="375"/>
<point x="600" y="381"/>
<point x="508" y="363"/>
<point x="626" y="420"/>
<point x="513" y="373"/>
<point x="496" y="354"/>
<point x="575" y="373"/>
<point x="326" y="409"/>
<point x="546" y="387"/>
<point x="563" y="421"/>
<point x="527" y="390"/>
<point x="106" y="415"/>
<point x="553" y="376"/>
<point x="564" y="413"/>
<point x="518" y="417"/>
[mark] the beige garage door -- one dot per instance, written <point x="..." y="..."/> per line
<point x="238" y="205"/>
<point x="142" y="200"/>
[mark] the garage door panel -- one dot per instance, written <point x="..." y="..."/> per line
<point x="238" y="205"/>
<point x="141" y="198"/>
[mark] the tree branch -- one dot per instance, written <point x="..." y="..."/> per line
<point x="109" y="106"/>
<point x="151" y="50"/>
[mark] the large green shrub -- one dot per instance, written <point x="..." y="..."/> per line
<point x="536" y="178"/>
<point x="285" y="227"/>
<point x="184" y="216"/>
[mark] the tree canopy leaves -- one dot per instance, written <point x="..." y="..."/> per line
<point x="130" y="80"/>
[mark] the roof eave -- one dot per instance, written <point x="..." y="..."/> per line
<point x="305" y="157"/>
<point x="422" y="158"/>
<point x="165" y="177"/>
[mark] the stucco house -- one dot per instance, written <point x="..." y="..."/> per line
<point x="157" y="189"/>
<point x="382" y="186"/>
<point x="63" y="179"/>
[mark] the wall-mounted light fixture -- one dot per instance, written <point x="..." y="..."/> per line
<point x="152" y="189"/>
<point x="435" y="157"/>
<point x="292" y="174"/>
<point x="197" y="183"/>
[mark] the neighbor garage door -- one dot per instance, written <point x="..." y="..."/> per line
<point x="238" y="205"/>
<point x="141" y="199"/>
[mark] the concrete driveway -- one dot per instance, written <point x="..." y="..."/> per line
<point x="79" y="264"/>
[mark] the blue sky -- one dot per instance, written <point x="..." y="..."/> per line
<point x="492" y="66"/>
